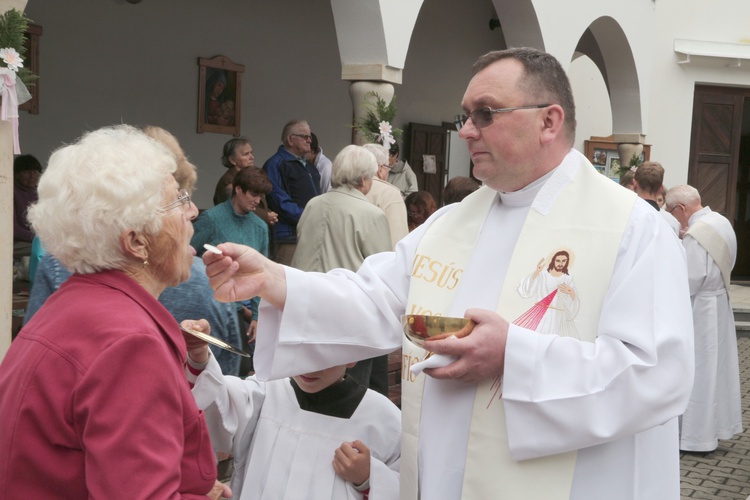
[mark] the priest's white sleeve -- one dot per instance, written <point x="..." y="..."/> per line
<point x="561" y="394"/>
<point x="338" y="317"/>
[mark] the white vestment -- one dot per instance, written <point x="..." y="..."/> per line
<point x="283" y="452"/>
<point x="714" y="411"/>
<point x="614" y="400"/>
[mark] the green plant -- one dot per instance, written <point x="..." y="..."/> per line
<point x="13" y="25"/>
<point x="380" y="112"/>
<point x="635" y="161"/>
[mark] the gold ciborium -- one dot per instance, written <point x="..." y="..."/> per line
<point x="418" y="327"/>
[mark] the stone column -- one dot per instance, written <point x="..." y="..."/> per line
<point x="6" y="215"/>
<point x="6" y="235"/>
<point x="626" y="151"/>
<point x="627" y="146"/>
<point x="361" y="94"/>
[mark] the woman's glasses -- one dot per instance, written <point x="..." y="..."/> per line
<point x="183" y="198"/>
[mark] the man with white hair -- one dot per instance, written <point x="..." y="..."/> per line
<point x="295" y="181"/>
<point x="714" y="411"/>
<point x="386" y="196"/>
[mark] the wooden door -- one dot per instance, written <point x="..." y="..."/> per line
<point x="428" y="140"/>
<point x="715" y="152"/>
<point x="715" y="147"/>
<point x="742" y="210"/>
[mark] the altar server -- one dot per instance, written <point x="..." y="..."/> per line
<point x="317" y="435"/>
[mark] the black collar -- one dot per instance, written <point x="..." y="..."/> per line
<point x="338" y="400"/>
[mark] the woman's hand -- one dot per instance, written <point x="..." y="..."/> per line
<point x="252" y="331"/>
<point x="197" y="349"/>
<point x="273" y="217"/>
<point x="219" y="491"/>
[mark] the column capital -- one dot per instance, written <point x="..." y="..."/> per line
<point x="372" y="72"/>
<point x="629" y="138"/>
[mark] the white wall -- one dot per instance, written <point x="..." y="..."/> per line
<point x="107" y="61"/>
<point x="593" y="109"/>
<point x="673" y="84"/>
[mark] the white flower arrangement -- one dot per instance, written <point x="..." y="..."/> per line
<point x="13" y="92"/>
<point x="11" y="58"/>
<point x="385" y="137"/>
<point x="377" y="125"/>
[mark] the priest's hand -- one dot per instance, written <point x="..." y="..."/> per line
<point x="241" y="273"/>
<point x="351" y="461"/>
<point x="481" y="355"/>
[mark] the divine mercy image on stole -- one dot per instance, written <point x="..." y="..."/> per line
<point x="556" y="300"/>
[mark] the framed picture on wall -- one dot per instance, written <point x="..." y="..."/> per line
<point x="602" y="153"/>
<point x="31" y="42"/>
<point x="599" y="157"/>
<point x="219" y="95"/>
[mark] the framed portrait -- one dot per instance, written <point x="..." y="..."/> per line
<point x="31" y="42"/>
<point x="219" y="95"/>
<point x="599" y="157"/>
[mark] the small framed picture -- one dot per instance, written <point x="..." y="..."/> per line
<point x="600" y="157"/>
<point x="614" y="167"/>
<point x="219" y="95"/>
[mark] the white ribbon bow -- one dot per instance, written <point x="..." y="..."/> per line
<point x="12" y="94"/>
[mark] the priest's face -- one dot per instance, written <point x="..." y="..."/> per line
<point x="317" y="381"/>
<point x="507" y="149"/>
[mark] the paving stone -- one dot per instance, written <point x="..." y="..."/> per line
<point x="724" y="473"/>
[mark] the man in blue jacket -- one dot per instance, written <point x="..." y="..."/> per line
<point x="295" y="181"/>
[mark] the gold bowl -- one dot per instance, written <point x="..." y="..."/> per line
<point x="418" y="327"/>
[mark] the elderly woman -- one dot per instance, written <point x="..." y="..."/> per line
<point x="236" y="155"/>
<point x="340" y="228"/>
<point x="93" y="397"/>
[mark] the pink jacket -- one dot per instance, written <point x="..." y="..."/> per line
<point x="94" y="402"/>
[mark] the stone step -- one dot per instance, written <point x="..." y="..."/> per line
<point x="743" y="328"/>
<point x="741" y="314"/>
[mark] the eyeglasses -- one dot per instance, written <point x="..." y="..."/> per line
<point x="183" y="198"/>
<point x="672" y="209"/>
<point x="304" y="137"/>
<point x="482" y="117"/>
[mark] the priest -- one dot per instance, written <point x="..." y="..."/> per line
<point x="516" y="413"/>
<point x="714" y="411"/>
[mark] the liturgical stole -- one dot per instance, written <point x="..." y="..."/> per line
<point x="578" y="211"/>
<point x="715" y="244"/>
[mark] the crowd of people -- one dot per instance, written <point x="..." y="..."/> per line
<point x="309" y="265"/>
